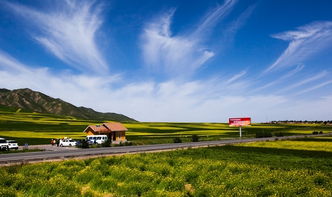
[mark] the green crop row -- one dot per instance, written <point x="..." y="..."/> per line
<point x="36" y="128"/>
<point x="282" y="168"/>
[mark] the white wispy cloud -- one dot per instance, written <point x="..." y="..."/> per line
<point x="211" y="99"/>
<point x="304" y="42"/>
<point x="183" y="53"/>
<point x="69" y="31"/>
<point x="213" y="17"/>
<point x="305" y="81"/>
<point x="195" y="100"/>
<point x="281" y="79"/>
<point x="9" y="63"/>
<point x="235" y="25"/>
<point x="315" y="87"/>
<point x="236" y="76"/>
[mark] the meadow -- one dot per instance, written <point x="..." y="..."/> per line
<point x="301" y="167"/>
<point x="36" y="128"/>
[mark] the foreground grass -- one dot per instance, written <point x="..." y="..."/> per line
<point x="282" y="168"/>
<point x="36" y="128"/>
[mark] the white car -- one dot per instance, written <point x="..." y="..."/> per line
<point x="96" y="139"/>
<point x="12" y="144"/>
<point x="3" y="144"/>
<point x="67" y="142"/>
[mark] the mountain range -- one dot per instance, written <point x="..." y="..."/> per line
<point x="33" y="101"/>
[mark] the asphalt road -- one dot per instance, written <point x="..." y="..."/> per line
<point x="28" y="157"/>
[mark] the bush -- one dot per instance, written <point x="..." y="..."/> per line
<point x="7" y="192"/>
<point x="315" y="132"/>
<point x="177" y="140"/>
<point x="194" y="138"/>
<point x="107" y="143"/>
<point x="128" y="143"/>
<point x="4" y="149"/>
<point x="262" y="134"/>
<point x="321" y="132"/>
<point x="279" y="134"/>
<point x="83" y="144"/>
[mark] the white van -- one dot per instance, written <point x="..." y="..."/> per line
<point x="96" y="139"/>
<point x="12" y="144"/>
<point x="67" y="142"/>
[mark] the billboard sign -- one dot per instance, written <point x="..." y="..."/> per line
<point x="239" y="122"/>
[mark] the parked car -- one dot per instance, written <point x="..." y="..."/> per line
<point x="3" y="144"/>
<point x="12" y="144"/>
<point x="96" y="139"/>
<point x="67" y="142"/>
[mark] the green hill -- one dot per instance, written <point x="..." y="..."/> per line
<point x="33" y="101"/>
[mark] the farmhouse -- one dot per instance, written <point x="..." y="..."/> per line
<point x="115" y="131"/>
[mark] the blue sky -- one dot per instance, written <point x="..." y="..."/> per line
<point x="201" y="61"/>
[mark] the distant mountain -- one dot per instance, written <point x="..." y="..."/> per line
<point x="33" y="101"/>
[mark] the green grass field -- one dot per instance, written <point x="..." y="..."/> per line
<point x="35" y="128"/>
<point x="301" y="167"/>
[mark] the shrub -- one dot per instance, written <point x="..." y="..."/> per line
<point x="262" y="134"/>
<point x="7" y="192"/>
<point x="171" y="184"/>
<point x="177" y="140"/>
<point x="321" y="132"/>
<point x="128" y="143"/>
<point x="134" y="188"/>
<point x="320" y="180"/>
<point x="194" y="138"/>
<point x="279" y="134"/>
<point x="107" y="143"/>
<point x="105" y="184"/>
<point x="315" y="132"/>
<point x="85" y="176"/>
<point x="83" y="144"/>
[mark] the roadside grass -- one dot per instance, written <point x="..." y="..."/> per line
<point x="37" y="128"/>
<point x="299" y="167"/>
<point x="309" y="144"/>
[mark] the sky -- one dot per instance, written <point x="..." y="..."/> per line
<point x="174" y="60"/>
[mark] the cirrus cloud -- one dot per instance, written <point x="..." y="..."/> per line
<point x="183" y="53"/>
<point x="304" y="42"/>
<point x="68" y="32"/>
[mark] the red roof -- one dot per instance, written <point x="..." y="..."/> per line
<point x="107" y="127"/>
<point x="115" y="126"/>
<point x="99" y="128"/>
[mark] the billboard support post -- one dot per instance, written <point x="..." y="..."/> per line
<point x="240" y="132"/>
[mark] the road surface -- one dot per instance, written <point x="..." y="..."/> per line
<point x="31" y="157"/>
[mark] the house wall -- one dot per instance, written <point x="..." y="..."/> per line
<point x="90" y="133"/>
<point x="120" y="136"/>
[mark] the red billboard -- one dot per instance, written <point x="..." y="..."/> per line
<point x="239" y="122"/>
